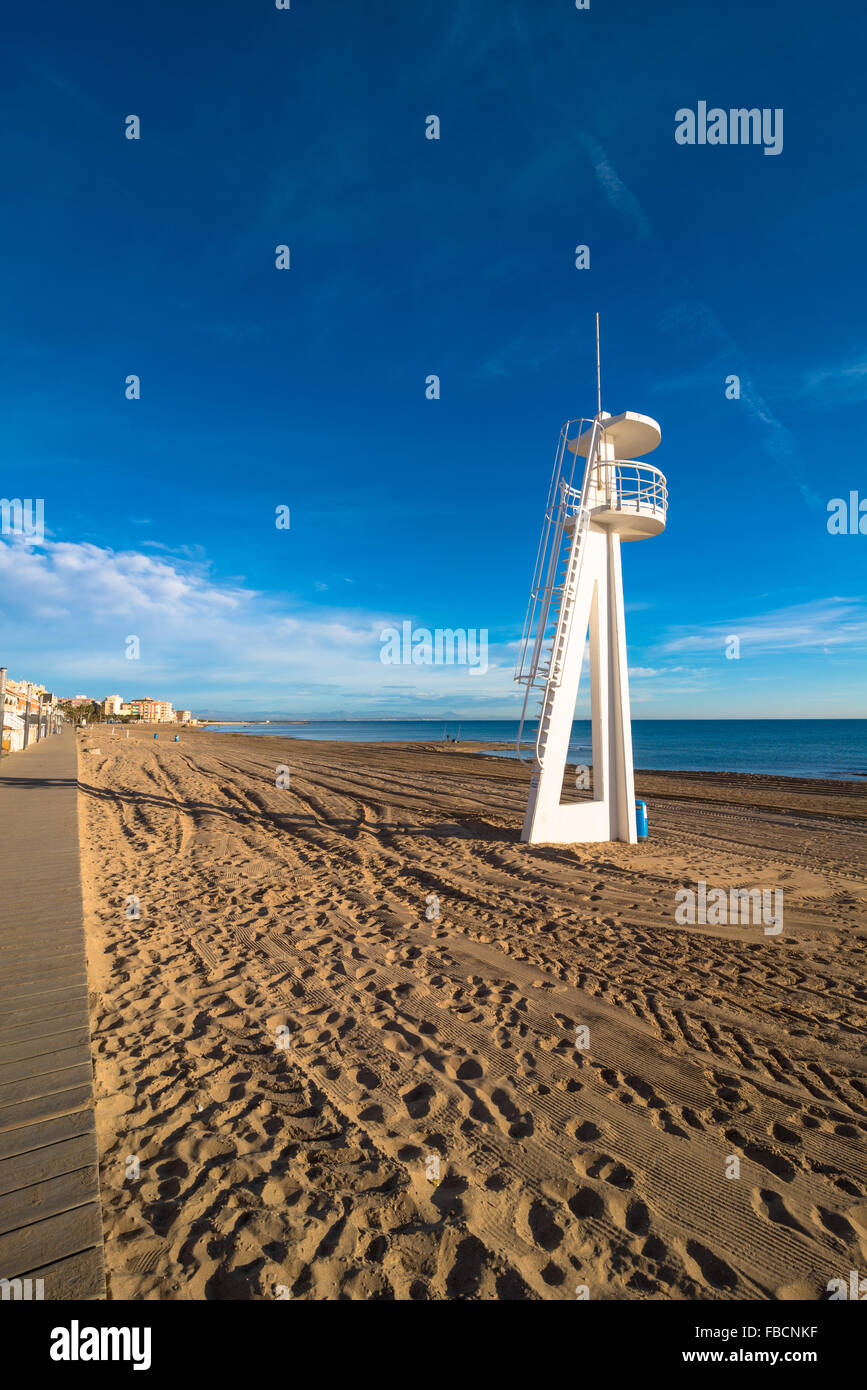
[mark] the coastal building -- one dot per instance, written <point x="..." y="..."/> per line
<point x="144" y="708"/>
<point x="16" y="696"/>
<point x="147" y="708"/>
<point x="152" y="711"/>
<point x="12" y="732"/>
<point x="24" y="706"/>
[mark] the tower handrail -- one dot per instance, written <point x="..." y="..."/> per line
<point x="582" y="525"/>
<point x="542" y="595"/>
<point x="630" y="485"/>
<point x="537" y="589"/>
<point x="556" y="509"/>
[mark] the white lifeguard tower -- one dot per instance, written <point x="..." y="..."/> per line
<point x="578" y="586"/>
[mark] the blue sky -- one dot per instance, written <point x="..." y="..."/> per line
<point x="410" y="257"/>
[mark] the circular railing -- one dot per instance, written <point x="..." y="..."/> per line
<point x="624" y="485"/>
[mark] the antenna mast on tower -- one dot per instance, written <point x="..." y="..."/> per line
<point x="598" y="371"/>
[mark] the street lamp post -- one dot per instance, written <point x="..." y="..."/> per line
<point x="27" y="714"/>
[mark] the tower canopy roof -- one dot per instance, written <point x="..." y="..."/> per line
<point x="631" y="434"/>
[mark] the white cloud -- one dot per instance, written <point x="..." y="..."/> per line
<point x="69" y="608"/>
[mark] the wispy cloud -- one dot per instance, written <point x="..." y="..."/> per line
<point x="615" y="190"/>
<point x="822" y="625"/>
<point x="845" y="385"/>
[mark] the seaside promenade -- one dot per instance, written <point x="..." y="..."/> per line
<point x="50" y="1220"/>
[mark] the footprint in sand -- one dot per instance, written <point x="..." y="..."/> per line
<point x="465" y="1069"/>
<point x="710" y="1267"/>
<point x="518" y="1124"/>
<point x="770" y="1205"/>
<point x="783" y="1134"/>
<point x="692" y="1119"/>
<point x="758" y="1153"/>
<point x="602" y="1167"/>
<point x="836" y="1224"/>
<point x="661" y="1119"/>
<point x="536" y="1219"/>
<point x="587" y="1202"/>
<point x="634" y="1217"/>
<point x="418" y="1100"/>
<point x="644" y="1091"/>
<point x="584" y="1130"/>
<point x="372" y="1115"/>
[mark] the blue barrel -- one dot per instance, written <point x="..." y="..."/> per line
<point x="641" y="819"/>
<point x="155" y="735"/>
<point x="177" y="738"/>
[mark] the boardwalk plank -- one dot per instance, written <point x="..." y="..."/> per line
<point x="36" y="1108"/>
<point x="27" y="1139"/>
<point x="48" y="1084"/>
<point x="72" y="1007"/>
<point x="25" y="1205"/>
<point x="19" y="992"/>
<point x="78" y="1277"/>
<point x="20" y="1042"/>
<point x="44" y="1242"/>
<point x="49" y="1161"/>
<point x="44" y="1063"/>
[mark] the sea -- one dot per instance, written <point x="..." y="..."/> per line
<point x="834" y="749"/>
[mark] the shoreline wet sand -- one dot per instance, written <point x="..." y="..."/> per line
<point x="326" y="1092"/>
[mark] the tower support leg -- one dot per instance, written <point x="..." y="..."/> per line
<point x="611" y="814"/>
<point x="621" y="797"/>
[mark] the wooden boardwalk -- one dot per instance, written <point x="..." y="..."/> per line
<point x="50" y="1220"/>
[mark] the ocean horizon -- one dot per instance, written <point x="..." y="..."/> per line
<point x="832" y="749"/>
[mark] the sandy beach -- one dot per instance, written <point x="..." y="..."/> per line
<point x="307" y="1087"/>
